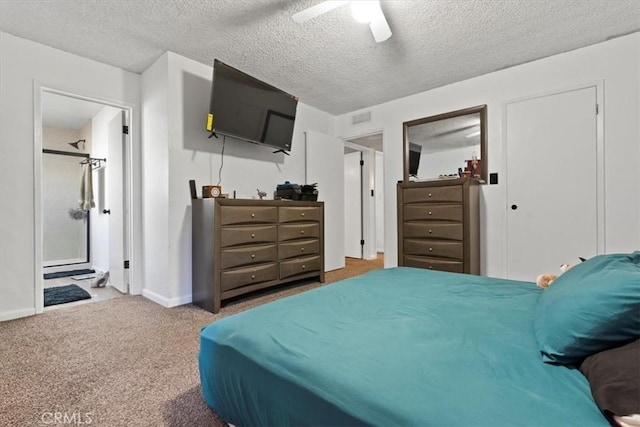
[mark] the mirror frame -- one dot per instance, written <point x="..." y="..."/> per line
<point x="482" y="109"/>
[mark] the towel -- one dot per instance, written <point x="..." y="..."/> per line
<point x="86" y="188"/>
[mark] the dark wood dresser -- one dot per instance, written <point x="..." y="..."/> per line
<point x="439" y="225"/>
<point x="240" y="246"/>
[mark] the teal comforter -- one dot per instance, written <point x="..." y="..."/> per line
<point x="400" y="346"/>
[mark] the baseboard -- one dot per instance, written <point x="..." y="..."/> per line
<point x="16" y="314"/>
<point x="166" y="302"/>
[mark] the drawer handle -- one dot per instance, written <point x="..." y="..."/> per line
<point x="301" y="249"/>
<point x="430" y="249"/>
<point x="429" y="213"/>
<point x="430" y="231"/>
<point x="304" y="266"/>
<point x="253" y="215"/>
<point x="429" y="195"/>
<point x="253" y="235"/>
<point x="253" y="256"/>
<point x="431" y="267"/>
<point x="253" y="276"/>
<point x="301" y="231"/>
<point x="302" y="214"/>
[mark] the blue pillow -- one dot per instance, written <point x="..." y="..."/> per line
<point x="591" y="307"/>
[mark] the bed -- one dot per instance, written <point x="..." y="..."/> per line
<point x="402" y="346"/>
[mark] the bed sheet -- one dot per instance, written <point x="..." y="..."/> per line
<point x="400" y="346"/>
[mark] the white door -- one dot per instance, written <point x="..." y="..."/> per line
<point x="324" y="166"/>
<point x="352" y="204"/>
<point x="551" y="182"/>
<point x="115" y="202"/>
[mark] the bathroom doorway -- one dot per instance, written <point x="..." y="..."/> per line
<point x="365" y="188"/>
<point x="85" y="199"/>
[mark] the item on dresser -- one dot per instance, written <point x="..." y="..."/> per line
<point x="192" y="189"/>
<point x="209" y="191"/>
<point x="439" y="226"/>
<point x="240" y="246"/>
<point x="288" y="191"/>
<point x="309" y="192"/>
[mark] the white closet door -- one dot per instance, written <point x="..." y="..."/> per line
<point x="115" y="191"/>
<point x="551" y="182"/>
<point x="352" y="205"/>
<point x="325" y="166"/>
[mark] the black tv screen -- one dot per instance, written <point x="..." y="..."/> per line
<point x="246" y="108"/>
<point x="414" y="158"/>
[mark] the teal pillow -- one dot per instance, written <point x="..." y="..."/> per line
<point x="591" y="307"/>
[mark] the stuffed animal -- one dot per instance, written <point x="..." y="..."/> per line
<point x="544" y="280"/>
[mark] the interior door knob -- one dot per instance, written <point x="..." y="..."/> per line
<point x="106" y="211"/>
<point x="514" y="207"/>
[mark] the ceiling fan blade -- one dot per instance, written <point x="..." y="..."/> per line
<point x="316" y="10"/>
<point x="380" y="28"/>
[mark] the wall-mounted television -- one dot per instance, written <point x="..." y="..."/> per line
<point x="246" y="108"/>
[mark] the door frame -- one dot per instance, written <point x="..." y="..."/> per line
<point x="369" y="250"/>
<point x="134" y="237"/>
<point x="600" y="163"/>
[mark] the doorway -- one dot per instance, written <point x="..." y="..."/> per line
<point x="85" y="195"/>
<point x="555" y="209"/>
<point x="364" y="197"/>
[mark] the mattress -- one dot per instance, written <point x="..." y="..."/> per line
<point x="400" y="346"/>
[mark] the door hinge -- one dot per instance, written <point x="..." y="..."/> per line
<point x="126" y="264"/>
<point x="371" y="193"/>
<point x="125" y="130"/>
<point x="597" y="109"/>
<point x="361" y="162"/>
<point x="361" y="242"/>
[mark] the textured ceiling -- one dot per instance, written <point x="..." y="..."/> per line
<point x="330" y="62"/>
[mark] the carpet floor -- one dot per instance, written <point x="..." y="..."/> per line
<point x="120" y="362"/>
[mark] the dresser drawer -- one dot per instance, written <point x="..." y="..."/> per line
<point x="243" y="255"/>
<point x="298" y="231"/>
<point x="433" y="230"/>
<point x="434" y="248"/>
<point x="299" y="266"/>
<point x="434" y="264"/>
<point x="300" y="213"/>
<point x="236" y="278"/>
<point x="297" y="248"/>
<point x="433" y="194"/>
<point x="248" y="214"/>
<point x="451" y="212"/>
<point x="230" y="236"/>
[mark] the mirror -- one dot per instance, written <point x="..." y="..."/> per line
<point x="452" y="144"/>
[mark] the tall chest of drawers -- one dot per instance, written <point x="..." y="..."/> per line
<point x="439" y="225"/>
<point x="240" y="246"/>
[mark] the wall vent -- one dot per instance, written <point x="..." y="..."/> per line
<point x="361" y="118"/>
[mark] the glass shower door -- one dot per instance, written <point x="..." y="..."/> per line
<point x="65" y="227"/>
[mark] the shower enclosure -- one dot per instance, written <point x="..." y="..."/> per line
<point x="65" y="227"/>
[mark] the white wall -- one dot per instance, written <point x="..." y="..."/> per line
<point x="176" y="94"/>
<point x="23" y="63"/>
<point x="155" y="154"/>
<point x="616" y="62"/>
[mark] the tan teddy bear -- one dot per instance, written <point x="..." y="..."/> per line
<point x="544" y="280"/>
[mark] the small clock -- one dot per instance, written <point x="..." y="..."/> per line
<point x="211" y="191"/>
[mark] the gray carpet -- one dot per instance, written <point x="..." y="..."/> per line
<point x="121" y="362"/>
